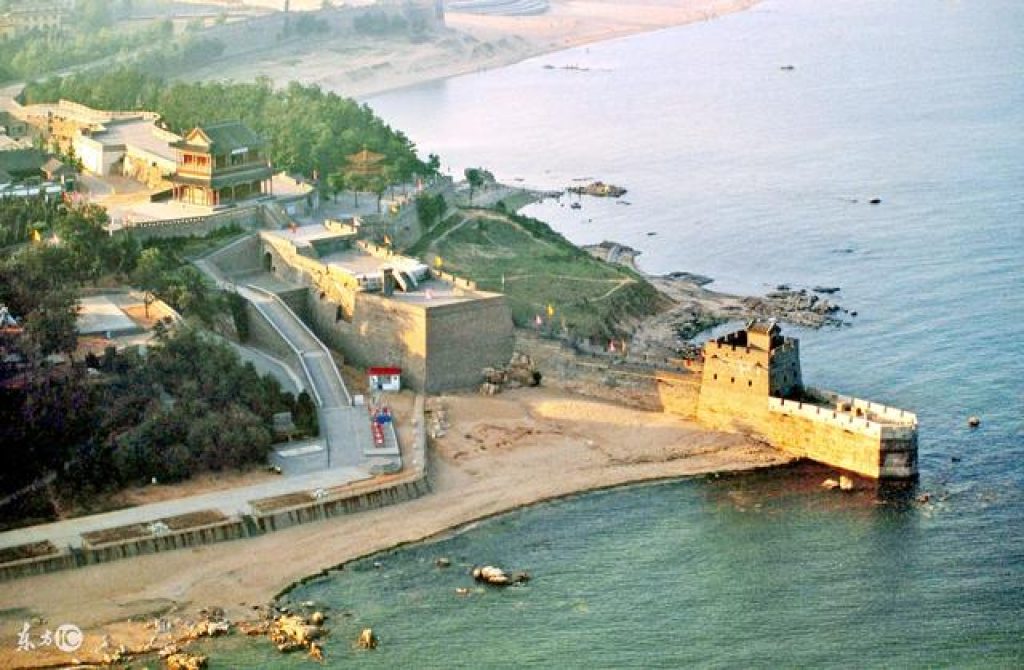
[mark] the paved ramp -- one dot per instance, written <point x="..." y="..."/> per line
<point x="346" y="429"/>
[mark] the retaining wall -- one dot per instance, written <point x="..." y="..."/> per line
<point x="412" y="483"/>
<point x="246" y="217"/>
<point x="229" y="529"/>
<point x="38" y="565"/>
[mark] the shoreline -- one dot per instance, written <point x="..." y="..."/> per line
<point x="470" y="524"/>
<point x="529" y="434"/>
<point x="469" y="43"/>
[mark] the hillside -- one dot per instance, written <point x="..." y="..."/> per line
<point x="535" y="268"/>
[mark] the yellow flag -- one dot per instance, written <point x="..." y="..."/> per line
<point x="36" y="237"/>
<point x="551" y="310"/>
<point x="438" y="262"/>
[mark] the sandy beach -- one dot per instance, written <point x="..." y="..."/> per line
<point x="500" y="453"/>
<point x="360" y="67"/>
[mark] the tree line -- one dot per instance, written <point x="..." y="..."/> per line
<point x="101" y="423"/>
<point x="309" y="131"/>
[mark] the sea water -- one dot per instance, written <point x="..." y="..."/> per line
<point x="751" y="147"/>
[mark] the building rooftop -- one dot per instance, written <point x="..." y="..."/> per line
<point x="99" y="314"/>
<point x="141" y="134"/>
<point x="223" y="137"/>
<point x="367" y="268"/>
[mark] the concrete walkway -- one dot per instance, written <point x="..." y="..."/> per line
<point x="230" y="502"/>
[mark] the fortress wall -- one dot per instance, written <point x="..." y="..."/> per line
<point x="238" y="258"/>
<point x="827" y="442"/>
<point x="785" y="369"/>
<point x="464" y="338"/>
<point x="192" y="225"/>
<point x="608" y="376"/>
<point x="379" y="332"/>
<point x="870" y="408"/>
<point x="826" y="416"/>
<point x="298" y="301"/>
<point x="679" y="393"/>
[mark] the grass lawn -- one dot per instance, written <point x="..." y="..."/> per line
<point x="536" y="267"/>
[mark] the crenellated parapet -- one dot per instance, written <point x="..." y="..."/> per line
<point x="751" y="382"/>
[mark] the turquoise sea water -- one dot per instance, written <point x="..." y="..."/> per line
<point x="748" y="173"/>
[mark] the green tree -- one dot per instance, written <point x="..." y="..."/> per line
<point x="476" y="179"/>
<point x="52" y="327"/>
<point x="150" y="275"/>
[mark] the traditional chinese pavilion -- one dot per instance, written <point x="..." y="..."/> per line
<point x="220" y="163"/>
<point x="365" y="163"/>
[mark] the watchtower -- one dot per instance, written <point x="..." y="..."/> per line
<point x="743" y="369"/>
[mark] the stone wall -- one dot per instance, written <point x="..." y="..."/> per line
<point x="247" y="217"/>
<point x="380" y="331"/>
<point x="610" y="377"/>
<point x="229" y="529"/>
<point x="678" y="393"/>
<point x="238" y="257"/>
<point x="264" y="335"/>
<point x="38" y="565"/>
<point x="851" y="440"/>
<point x="345" y="504"/>
<point x="464" y="338"/>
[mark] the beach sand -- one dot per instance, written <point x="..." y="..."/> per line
<point x="499" y="453"/>
<point x="360" y="67"/>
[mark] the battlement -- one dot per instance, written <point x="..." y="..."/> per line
<point x="860" y="416"/>
<point x="751" y="382"/>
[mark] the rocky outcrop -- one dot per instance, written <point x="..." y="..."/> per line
<point x="521" y="371"/>
<point x="598" y="189"/>
<point x="183" y="661"/>
<point x="489" y="574"/>
<point x="799" y="307"/>
<point x="367" y="639"/>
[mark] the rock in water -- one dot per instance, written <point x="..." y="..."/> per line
<point x="367" y="639"/>
<point x="974" y="421"/>
<point x="489" y="574"/>
<point x="182" y="661"/>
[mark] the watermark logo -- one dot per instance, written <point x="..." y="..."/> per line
<point x="68" y="638"/>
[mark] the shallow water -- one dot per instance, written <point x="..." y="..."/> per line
<point x="748" y="173"/>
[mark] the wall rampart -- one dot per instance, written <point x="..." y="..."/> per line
<point x="465" y="337"/>
<point x="248" y="217"/>
<point x="239" y="257"/>
<point x="826" y="441"/>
